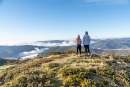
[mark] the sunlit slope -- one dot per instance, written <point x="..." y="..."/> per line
<point x="68" y="70"/>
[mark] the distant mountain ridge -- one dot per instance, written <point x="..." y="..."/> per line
<point x="122" y="43"/>
<point x="117" y="43"/>
<point x="34" y="48"/>
<point x="16" y="51"/>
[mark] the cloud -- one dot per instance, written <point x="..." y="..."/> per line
<point x="33" y="53"/>
<point x="106" y="1"/>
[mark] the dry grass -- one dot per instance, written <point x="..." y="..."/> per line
<point x="77" y="70"/>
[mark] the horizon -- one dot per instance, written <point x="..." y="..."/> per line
<point x="24" y="20"/>
<point x="18" y="43"/>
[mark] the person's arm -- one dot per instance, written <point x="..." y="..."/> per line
<point x="83" y="40"/>
<point x="89" y="38"/>
<point x="80" y="41"/>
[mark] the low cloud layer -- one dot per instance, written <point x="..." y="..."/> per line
<point x="31" y="54"/>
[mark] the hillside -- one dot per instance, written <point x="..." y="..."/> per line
<point x="68" y="70"/>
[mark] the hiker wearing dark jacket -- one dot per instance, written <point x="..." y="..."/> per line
<point x="78" y="43"/>
<point x="86" y="43"/>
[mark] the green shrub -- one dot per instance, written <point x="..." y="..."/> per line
<point x="127" y="60"/>
<point x="106" y="72"/>
<point x="81" y="72"/>
<point x="75" y="81"/>
<point x="53" y="65"/>
<point x="78" y="77"/>
<point x="34" y="79"/>
<point x="88" y="83"/>
<point x="71" y="71"/>
<point x="103" y="83"/>
<point x="72" y="81"/>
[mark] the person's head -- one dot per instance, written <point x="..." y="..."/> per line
<point x="78" y="36"/>
<point x="86" y="32"/>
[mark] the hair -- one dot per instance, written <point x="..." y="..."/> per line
<point x="78" y="36"/>
<point x="86" y="32"/>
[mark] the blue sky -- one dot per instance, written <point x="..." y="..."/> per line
<point x="32" y="20"/>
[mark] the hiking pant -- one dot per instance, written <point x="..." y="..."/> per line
<point x="87" y="50"/>
<point x="79" y="49"/>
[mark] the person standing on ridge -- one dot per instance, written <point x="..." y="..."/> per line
<point x="79" y="47"/>
<point x="86" y="43"/>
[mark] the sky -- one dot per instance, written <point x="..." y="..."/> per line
<point x="38" y="20"/>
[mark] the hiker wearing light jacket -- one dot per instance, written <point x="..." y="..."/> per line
<point x="86" y="43"/>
